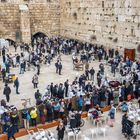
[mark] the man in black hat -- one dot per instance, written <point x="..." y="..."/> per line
<point x="7" y="92"/>
<point x="57" y="65"/>
<point x="59" y="68"/>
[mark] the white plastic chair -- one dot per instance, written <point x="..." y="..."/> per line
<point x="85" y="138"/>
<point x="44" y="138"/>
<point x="93" y="121"/>
<point x="52" y="139"/>
<point x="49" y="133"/>
<point x="38" y="137"/>
<point x="77" y="133"/>
<point x="103" y="130"/>
<point x="94" y="131"/>
<point x="99" y="123"/>
<point x="31" y="134"/>
<point x="71" y="134"/>
<point x="105" y="119"/>
<point x="41" y="132"/>
<point x="136" y="129"/>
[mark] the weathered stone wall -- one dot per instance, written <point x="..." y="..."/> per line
<point x="9" y="20"/>
<point x="25" y="23"/>
<point x="44" y="17"/>
<point x="114" y="23"/>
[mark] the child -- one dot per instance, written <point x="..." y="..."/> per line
<point x="60" y="130"/>
<point x="111" y="116"/>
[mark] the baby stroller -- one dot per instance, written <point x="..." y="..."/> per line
<point x="127" y="129"/>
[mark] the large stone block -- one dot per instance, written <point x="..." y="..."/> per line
<point x="78" y="19"/>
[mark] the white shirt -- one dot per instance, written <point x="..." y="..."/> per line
<point x="62" y="107"/>
<point x="87" y="101"/>
<point x="139" y="76"/>
<point x="71" y="94"/>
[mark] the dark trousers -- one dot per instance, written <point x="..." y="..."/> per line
<point x="42" y="119"/>
<point x="16" y="127"/>
<point x="66" y="92"/>
<point x="98" y="82"/>
<point x="24" y="68"/>
<point x="33" y="121"/>
<point x="56" y="70"/>
<point x="49" y="117"/>
<point x="56" y="114"/>
<point x="61" y="114"/>
<point x="80" y="108"/>
<point x="3" y="78"/>
<point x="87" y="107"/>
<point x="21" y="71"/>
<point x="3" y="59"/>
<point x="60" y="138"/>
<point x="35" y="85"/>
<point x="4" y="128"/>
<point x="11" y="137"/>
<point x="7" y="98"/>
<point x="92" y="77"/>
<point x="17" y="90"/>
<point x="59" y="71"/>
<point x="38" y="72"/>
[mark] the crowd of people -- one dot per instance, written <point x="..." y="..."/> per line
<point x="59" y="100"/>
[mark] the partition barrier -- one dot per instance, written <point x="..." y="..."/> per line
<point x="23" y="132"/>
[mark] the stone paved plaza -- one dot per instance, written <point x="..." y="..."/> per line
<point x="112" y="23"/>
<point x="47" y="76"/>
<point x="102" y="28"/>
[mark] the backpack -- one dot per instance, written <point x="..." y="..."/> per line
<point x="80" y="102"/>
<point x="78" y="116"/>
<point x="56" y="64"/>
<point x="112" y="113"/>
<point x="124" y="107"/>
<point x="7" y="119"/>
<point x="28" y="117"/>
<point x="95" y="114"/>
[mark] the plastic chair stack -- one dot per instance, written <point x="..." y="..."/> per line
<point x="41" y="134"/>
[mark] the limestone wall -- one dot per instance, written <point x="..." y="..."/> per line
<point x="114" y="23"/>
<point x="44" y="17"/>
<point x="9" y="20"/>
